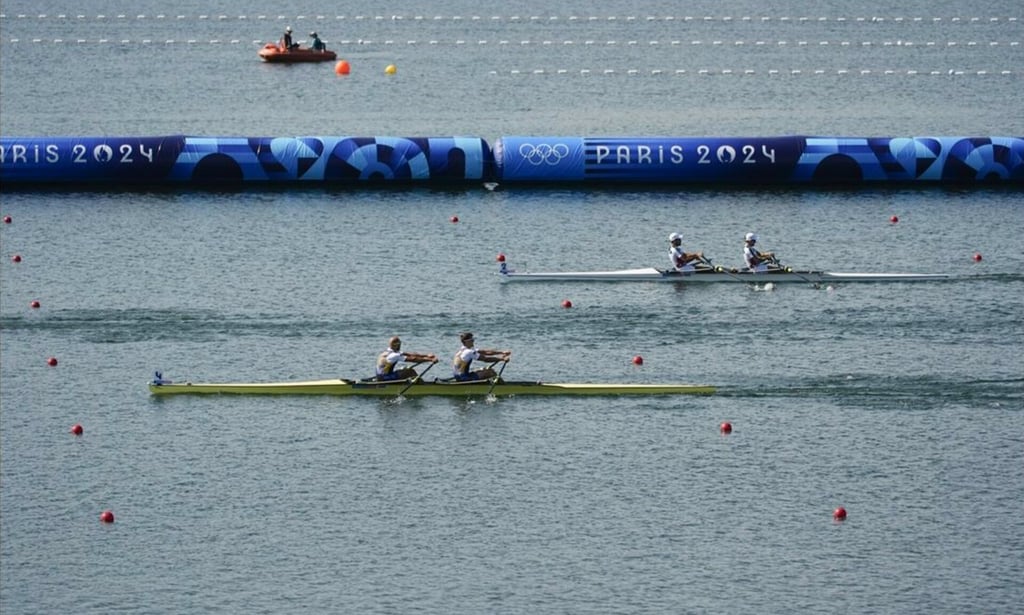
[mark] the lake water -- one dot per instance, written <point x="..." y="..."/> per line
<point x="903" y="403"/>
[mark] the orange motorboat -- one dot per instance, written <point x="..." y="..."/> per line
<point x="273" y="52"/>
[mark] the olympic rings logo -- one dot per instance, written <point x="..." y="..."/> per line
<point x="544" y="153"/>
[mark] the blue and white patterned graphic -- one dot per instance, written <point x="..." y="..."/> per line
<point x="227" y="161"/>
<point x="757" y="160"/>
<point x="234" y="160"/>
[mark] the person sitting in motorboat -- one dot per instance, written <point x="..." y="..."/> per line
<point x="387" y="361"/>
<point x="286" y="41"/>
<point x="682" y="261"/>
<point x="756" y="260"/>
<point x="316" y="44"/>
<point x="462" y="364"/>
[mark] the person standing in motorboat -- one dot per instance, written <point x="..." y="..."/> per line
<point x="316" y="44"/>
<point x="387" y="361"/>
<point x="462" y="363"/>
<point x="755" y="259"/>
<point x="682" y="261"/>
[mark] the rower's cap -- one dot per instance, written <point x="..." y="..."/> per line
<point x="288" y="29"/>
<point x="751" y="237"/>
<point x="467" y="336"/>
<point x="312" y="33"/>
<point x="675" y="236"/>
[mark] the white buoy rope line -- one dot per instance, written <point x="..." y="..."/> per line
<point x="584" y="42"/>
<point x="753" y="72"/>
<point x="871" y="19"/>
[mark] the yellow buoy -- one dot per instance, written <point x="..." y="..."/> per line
<point x="390" y="70"/>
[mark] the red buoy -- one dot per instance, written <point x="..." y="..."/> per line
<point x="839" y="514"/>
<point x="566" y="303"/>
<point x="638" y="360"/>
<point x="34" y="304"/>
<point x="725" y="427"/>
<point x="107" y="516"/>
<point x="501" y="257"/>
<point x="977" y="257"/>
<point x="894" y="219"/>
<point x="16" y="258"/>
<point x="454" y="218"/>
<point x="52" y="361"/>
<point x="76" y="429"/>
<point x="7" y="219"/>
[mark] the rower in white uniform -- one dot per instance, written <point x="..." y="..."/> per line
<point x="462" y="363"/>
<point x="681" y="259"/>
<point x="756" y="260"/>
<point x="387" y="361"/>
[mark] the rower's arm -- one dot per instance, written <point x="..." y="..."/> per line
<point x="493" y="356"/>
<point x="415" y="357"/>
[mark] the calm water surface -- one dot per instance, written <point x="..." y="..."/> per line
<point x="901" y="402"/>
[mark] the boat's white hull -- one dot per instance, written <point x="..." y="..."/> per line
<point x="420" y="389"/>
<point x="651" y="274"/>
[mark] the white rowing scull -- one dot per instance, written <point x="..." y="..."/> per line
<point x="714" y="274"/>
<point x="444" y="388"/>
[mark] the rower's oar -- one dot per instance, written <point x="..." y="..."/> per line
<point x="721" y="269"/>
<point x="776" y="262"/>
<point x="419" y="376"/>
<point x="496" y="378"/>
<point x="707" y="261"/>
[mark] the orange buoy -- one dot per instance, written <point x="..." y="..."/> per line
<point x="501" y="257"/>
<point x="566" y="303"/>
<point x="894" y="219"/>
<point x="342" y="67"/>
<point x="638" y="360"/>
<point x="76" y="429"/>
<point x="977" y="257"/>
<point x="107" y="516"/>
<point x="34" y="304"/>
<point x="725" y="427"/>
<point x="52" y="361"/>
<point x="839" y="514"/>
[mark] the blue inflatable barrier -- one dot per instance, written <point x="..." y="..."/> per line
<point x="241" y="160"/>
<point x="113" y="160"/>
<point x="769" y="160"/>
<point x="233" y="161"/>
